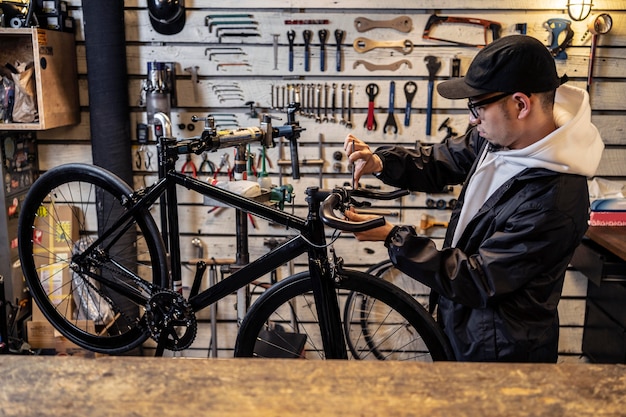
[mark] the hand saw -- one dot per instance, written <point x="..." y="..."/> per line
<point x="488" y="25"/>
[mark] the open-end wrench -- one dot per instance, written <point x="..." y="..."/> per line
<point x="334" y="104"/>
<point x="362" y="45"/>
<point x="372" y="92"/>
<point x="400" y="23"/>
<point x="318" y="93"/>
<point x="291" y="36"/>
<point x="433" y="65"/>
<point x="307" y="35"/>
<point x="410" y="88"/>
<point x="338" y="40"/>
<point x="349" y="120"/>
<point x="326" y="88"/>
<point x="343" y="104"/>
<point x="323" y="34"/>
<point x="391" y="118"/>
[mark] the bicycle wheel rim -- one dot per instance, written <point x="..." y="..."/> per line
<point x="405" y="314"/>
<point x="83" y="308"/>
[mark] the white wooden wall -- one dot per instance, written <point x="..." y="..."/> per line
<point x="259" y="77"/>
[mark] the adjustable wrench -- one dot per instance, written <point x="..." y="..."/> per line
<point x="391" y="118"/>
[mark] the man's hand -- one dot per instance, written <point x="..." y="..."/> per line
<point x="373" y="235"/>
<point x="365" y="162"/>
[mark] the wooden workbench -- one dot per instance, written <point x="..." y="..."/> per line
<point x="163" y="387"/>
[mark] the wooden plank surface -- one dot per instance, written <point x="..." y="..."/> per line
<point x="71" y="386"/>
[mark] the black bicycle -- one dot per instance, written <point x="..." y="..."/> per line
<point x="105" y="275"/>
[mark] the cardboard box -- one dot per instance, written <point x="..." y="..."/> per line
<point x="41" y="335"/>
<point x="56" y="230"/>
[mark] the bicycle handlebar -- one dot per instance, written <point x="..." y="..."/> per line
<point x="336" y="201"/>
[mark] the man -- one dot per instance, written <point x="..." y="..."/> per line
<point x="521" y="213"/>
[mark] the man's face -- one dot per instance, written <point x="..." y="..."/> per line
<point x="491" y="114"/>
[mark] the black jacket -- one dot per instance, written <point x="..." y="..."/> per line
<point x="500" y="286"/>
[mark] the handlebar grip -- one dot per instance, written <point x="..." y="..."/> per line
<point x="379" y="195"/>
<point x="330" y="219"/>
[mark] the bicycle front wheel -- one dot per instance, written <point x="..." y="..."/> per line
<point x="93" y="293"/>
<point x="283" y="322"/>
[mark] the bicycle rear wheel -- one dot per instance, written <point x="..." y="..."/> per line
<point x="283" y="322"/>
<point x="93" y="294"/>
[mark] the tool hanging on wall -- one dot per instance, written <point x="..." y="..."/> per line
<point x="307" y="35"/>
<point x="400" y="23"/>
<point x="372" y="92"/>
<point x="339" y="34"/>
<point x="362" y="45"/>
<point x="391" y="118"/>
<point x="382" y="67"/>
<point x="291" y="36"/>
<point x="487" y="25"/>
<point x="557" y="27"/>
<point x="323" y="35"/>
<point x="600" y="25"/>
<point x="410" y="89"/>
<point x="433" y="65"/>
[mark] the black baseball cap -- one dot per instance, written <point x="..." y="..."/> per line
<point x="167" y="16"/>
<point x="508" y="64"/>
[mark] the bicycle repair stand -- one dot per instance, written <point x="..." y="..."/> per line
<point x="291" y="131"/>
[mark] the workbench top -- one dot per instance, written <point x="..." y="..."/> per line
<point x="121" y="386"/>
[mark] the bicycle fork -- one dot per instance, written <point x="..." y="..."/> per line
<point x="322" y="279"/>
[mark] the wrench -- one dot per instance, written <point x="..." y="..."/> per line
<point x="334" y="104"/>
<point x="307" y="34"/>
<point x="410" y="88"/>
<point x="291" y="35"/>
<point x="326" y="89"/>
<point x="400" y="23"/>
<point x="338" y="39"/>
<point x="323" y="34"/>
<point x="318" y="91"/>
<point x="349" y="121"/>
<point x="343" y="104"/>
<point x="372" y="92"/>
<point x="433" y="65"/>
<point x="363" y="45"/>
<point x="391" y="118"/>
<point x="386" y="67"/>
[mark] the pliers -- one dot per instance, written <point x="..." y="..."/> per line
<point x="189" y="164"/>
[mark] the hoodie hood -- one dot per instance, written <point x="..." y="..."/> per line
<point x="575" y="147"/>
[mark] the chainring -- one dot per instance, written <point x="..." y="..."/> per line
<point x="171" y="321"/>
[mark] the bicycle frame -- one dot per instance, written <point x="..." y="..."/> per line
<point x="311" y="239"/>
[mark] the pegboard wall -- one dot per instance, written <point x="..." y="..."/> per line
<point x="239" y="60"/>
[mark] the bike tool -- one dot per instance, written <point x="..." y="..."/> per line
<point x="433" y="65"/>
<point x="410" y="89"/>
<point x="339" y="34"/>
<point x="291" y="36"/>
<point x="556" y="27"/>
<point x="307" y="35"/>
<point x="372" y="92"/>
<point x="391" y="118"/>
<point x="323" y="35"/>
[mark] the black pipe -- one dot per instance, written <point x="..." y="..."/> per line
<point x="109" y="112"/>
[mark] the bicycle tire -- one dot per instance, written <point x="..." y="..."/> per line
<point x="388" y="272"/>
<point x="57" y="222"/>
<point x="404" y="330"/>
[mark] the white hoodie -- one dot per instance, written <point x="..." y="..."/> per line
<point x="575" y="147"/>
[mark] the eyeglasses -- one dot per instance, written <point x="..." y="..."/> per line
<point x="473" y="106"/>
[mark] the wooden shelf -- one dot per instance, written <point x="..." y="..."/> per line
<point x="54" y="56"/>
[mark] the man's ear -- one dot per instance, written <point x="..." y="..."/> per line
<point x="522" y="104"/>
